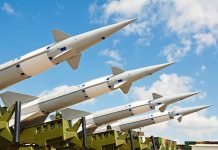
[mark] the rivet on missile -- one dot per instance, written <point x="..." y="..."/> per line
<point x="18" y="65"/>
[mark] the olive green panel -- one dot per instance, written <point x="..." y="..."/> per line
<point x="56" y="134"/>
<point x="6" y="137"/>
<point x="106" y="140"/>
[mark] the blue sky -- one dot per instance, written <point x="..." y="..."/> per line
<point x="185" y="31"/>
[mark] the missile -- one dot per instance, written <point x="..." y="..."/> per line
<point x="39" y="107"/>
<point x="146" y="120"/>
<point x="93" y="120"/>
<point x="66" y="47"/>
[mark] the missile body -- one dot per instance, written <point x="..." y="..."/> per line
<point x="66" y="47"/>
<point x="146" y="120"/>
<point x="116" y="113"/>
<point x="35" y="107"/>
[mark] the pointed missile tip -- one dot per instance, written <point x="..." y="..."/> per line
<point x="129" y="21"/>
<point x="158" y="67"/>
<point x="207" y="106"/>
<point x="193" y="93"/>
<point x="171" y="63"/>
<point x="132" y="20"/>
<point x="203" y="107"/>
<point x="166" y="64"/>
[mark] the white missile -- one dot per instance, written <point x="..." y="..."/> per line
<point x="146" y="120"/>
<point x="66" y="47"/>
<point x="93" y="120"/>
<point x="35" y="108"/>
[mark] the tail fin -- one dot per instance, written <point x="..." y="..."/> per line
<point x="116" y="70"/>
<point x="60" y="35"/>
<point x="9" y="98"/>
<point x="163" y="108"/>
<point x="125" y="89"/>
<point x="74" y="61"/>
<point x="156" y="96"/>
<point x="70" y="114"/>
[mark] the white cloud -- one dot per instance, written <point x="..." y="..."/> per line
<point x="125" y="8"/>
<point x="168" y="84"/>
<point x="115" y="42"/>
<point x="191" y="16"/>
<point x="203" y="67"/>
<point x="114" y="63"/>
<point x="114" y="55"/>
<point x="194" y="21"/>
<point x="175" y="53"/>
<point x="203" y="40"/>
<point x="8" y="9"/>
<point x="117" y="10"/>
<point x="61" y="88"/>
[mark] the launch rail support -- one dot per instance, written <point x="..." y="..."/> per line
<point x="131" y="140"/>
<point x="84" y="133"/>
<point x="153" y="143"/>
<point x="17" y="122"/>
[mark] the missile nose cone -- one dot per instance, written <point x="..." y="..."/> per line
<point x="130" y="21"/>
<point x="186" y="95"/>
<point x="155" y="68"/>
<point x="204" y="107"/>
<point x="125" y="23"/>
<point x="197" y="108"/>
<point x="178" y="97"/>
<point x="108" y="30"/>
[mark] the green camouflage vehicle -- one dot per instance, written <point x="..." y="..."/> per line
<point x="140" y="143"/>
<point x="6" y="136"/>
<point x="109" y="140"/>
<point x="165" y="144"/>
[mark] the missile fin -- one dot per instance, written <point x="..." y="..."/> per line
<point x="74" y="61"/>
<point x="119" y="84"/>
<point x="70" y="114"/>
<point x="9" y="98"/>
<point x="116" y="70"/>
<point x="125" y="89"/>
<point x="34" y="119"/>
<point x="180" y="119"/>
<point x="156" y="96"/>
<point x="60" y="35"/>
<point x="162" y="108"/>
